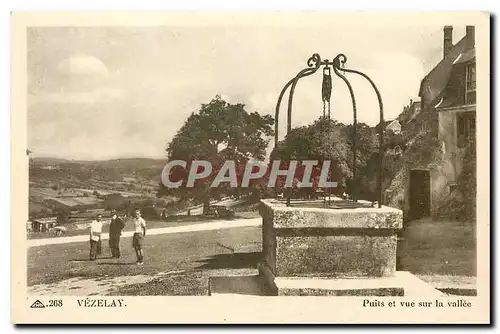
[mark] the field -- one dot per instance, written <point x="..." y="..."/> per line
<point x="58" y="184"/>
<point x="129" y="176"/>
<point x="75" y="201"/>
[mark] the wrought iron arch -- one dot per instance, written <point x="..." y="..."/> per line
<point x="338" y="65"/>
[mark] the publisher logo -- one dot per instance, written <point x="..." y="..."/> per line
<point x="37" y="304"/>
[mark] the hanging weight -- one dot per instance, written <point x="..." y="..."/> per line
<point x="327" y="84"/>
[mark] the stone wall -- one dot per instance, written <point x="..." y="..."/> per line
<point x="319" y="242"/>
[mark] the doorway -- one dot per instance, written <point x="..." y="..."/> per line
<point x="420" y="193"/>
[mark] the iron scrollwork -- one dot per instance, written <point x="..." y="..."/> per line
<point x="313" y="63"/>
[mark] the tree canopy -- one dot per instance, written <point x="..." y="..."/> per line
<point x="220" y="131"/>
<point x="328" y="139"/>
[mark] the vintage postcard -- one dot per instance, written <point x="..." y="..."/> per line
<point x="197" y="167"/>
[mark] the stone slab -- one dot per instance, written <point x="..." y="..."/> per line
<point x="237" y="285"/>
<point x="357" y="218"/>
<point x="400" y="284"/>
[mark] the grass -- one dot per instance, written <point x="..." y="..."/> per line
<point x="438" y="248"/>
<point x="190" y="251"/>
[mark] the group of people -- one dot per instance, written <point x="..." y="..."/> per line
<point x="115" y="230"/>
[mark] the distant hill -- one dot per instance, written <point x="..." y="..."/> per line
<point x="113" y="163"/>
<point x="44" y="161"/>
<point x="132" y="175"/>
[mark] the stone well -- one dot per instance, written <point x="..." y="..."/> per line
<point x="310" y="250"/>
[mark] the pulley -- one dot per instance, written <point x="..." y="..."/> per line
<point x="326" y="89"/>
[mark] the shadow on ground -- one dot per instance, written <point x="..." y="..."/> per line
<point x="205" y="219"/>
<point x="231" y="279"/>
<point x="231" y="261"/>
<point x="116" y="263"/>
<point x="88" y="260"/>
<point x="252" y="285"/>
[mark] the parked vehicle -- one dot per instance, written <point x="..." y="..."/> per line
<point x="151" y="212"/>
<point x="220" y="211"/>
<point x="58" y="230"/>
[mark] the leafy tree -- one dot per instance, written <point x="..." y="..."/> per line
<point x="393" y="140"/>
<point x="220" y="131"/>
<point x="323" y="140"/>
<point x="62" y="214"/>
<point x="116" y="202"/>
<point x="367" y="159"/>
<point x="328" y="139"/>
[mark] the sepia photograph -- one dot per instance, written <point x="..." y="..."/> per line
<point x="253" y="160"/>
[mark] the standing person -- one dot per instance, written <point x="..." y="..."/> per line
<point x="95" y="238"/>
<point x="115" y="231"/>
<point x="139" y="234"/>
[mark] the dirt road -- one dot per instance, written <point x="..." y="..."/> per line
<point x="224" y="224"/>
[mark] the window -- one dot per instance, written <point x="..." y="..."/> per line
<point x="470" y="84"/>
<point x="466" y="128"/>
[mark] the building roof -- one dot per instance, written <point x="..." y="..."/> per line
<point x="45" y="220"/>
<point x="386" y="124"/>
<point x="465" y="57"/>
<point x="394" y="122"/>
<point x="434" y="83"/>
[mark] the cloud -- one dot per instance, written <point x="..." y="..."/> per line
<point x="78" y="78"/>
<point x="129" y="95"/>
<point x="82" y="65"/>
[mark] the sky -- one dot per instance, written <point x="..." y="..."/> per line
<point x="119" y="92"/>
